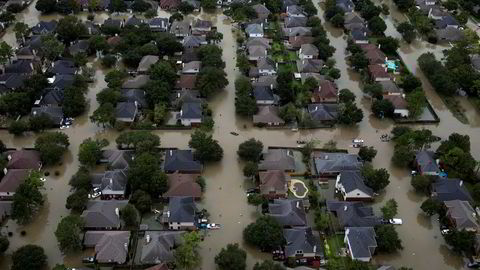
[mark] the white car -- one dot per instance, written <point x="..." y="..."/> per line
<point x="445" y="231"/>
<point x="396" y="221"/>
<point x="213" y="226"/>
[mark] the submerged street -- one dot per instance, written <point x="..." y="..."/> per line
<point x="225" y="198"/>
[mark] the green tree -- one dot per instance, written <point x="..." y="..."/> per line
<point x="404" y="5"/>
<point x="350" y="114"/>
<point x="367" y="153"/>
<point x="115" y="78"/>
<point x="388" y="45"/>
<point x="390" y="209"/>
<point x="431" y="206"/>
<point x="29" y="257"/>
<point x="208" y="4"/>
<point x="97" y="43"/>
<point x="46" y="6"/>
<point x="6" y="53"/>
<point x="144" y="174"/>
<point x="142" y="201"/>
<point x="201" y="182"/>
<point x="338" y="20"/>
<point x="346" y="95"/>
<point x="4" y="243"/>
<point x="118" y="6"/>
<point x="242" y="63"/>
<point x="81" y="179"/>
<point x="160" y="113"/>
<point x="265" y="233"/>
<point x="407" y="30"/>
<point x="402" y="156"/>
<point x="268" y="265"/>
<point x="78" y="200"/>
<point x="210" y="80"/>
<point x="256" y="199"/>
<point x="70" y="28"/>
<point x="141" y="140"/>
<point x="461" y="241"/>
<point x="454" y="140"/>
<point x="185" y="7"/>
<point x="410" y="82"/>
<point x="421" y="184"/>
<point x="21" y="30"/>
<point x="322" y="221"/>
<point x="109" y="95"/>
<point x="288" y="113"/>
<point x="74" y="102"/>
<point x="18" y="127"/>
<point x="359" y="61"/>
<point x="416" y="102"/>
<point x="387" y="239"/>
<point x="186" y="255"/>
<point x="51" y="146"/>
<point x="231" y="257"/>
<point x="40" y="122"/>
<point x="129" y="215"/>
<point x="104" y="115"/>
<point x="109" y="60"/>
<point x="377" y="179"/>
<point x="91" y="151"/>
<point x="377" y="25"/>
<point x="250" y="169"/>
<point x="140" y="6"/>
<point x="250" y="150"/>
<point x="163" y="71"/>
<point x="383" y="108"/>
<point x="458" y="163"/>
<point x="68" y="233"/>
<point x="245" y="105"/>
<point x="206" y="148"/>
<point x="167" y="43"/>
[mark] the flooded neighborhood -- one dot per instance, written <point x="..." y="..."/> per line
<point x="226" y="192"/>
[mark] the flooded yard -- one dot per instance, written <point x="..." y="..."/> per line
<point x="225" y="198"/>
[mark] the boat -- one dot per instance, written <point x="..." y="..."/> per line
<point x="301" y="142"/>
<point x="213" y="226"/>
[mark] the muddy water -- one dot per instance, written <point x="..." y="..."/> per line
<point x="225" y="198"/>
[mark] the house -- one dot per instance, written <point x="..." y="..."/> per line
<point x="23" y="159"/>
<point x="117" y="159"/>
<point x="297" y="31"/>
<point x="268" y="80"/>
<point x="5" y="210"/>
<point x="261" y="11"/>
<point x="26" y="53"/>
<point x="359" y="36"/>
<point x="62" y="81"/>
<point x="267" y="115"/>
<point x="266" y="66"/>
<point x="379" y="73"/>
<point x="189" y="54"/>
<point x="113" y="23"/>
<point x="52" y="97"/>
<point x="447" y="189"/>
<point x="308" y="51"/>
<point x="309" y="65"/>
<point x="169" y="4"/>
<point x="323" y="113"/>
<point x="146" y="62"/>
<point x="180" y="213"/>
<point x="110" y="246"/>
<point x="180" y="28"/>
<point x="295" y="11"/>
<point x="182" y="96"/>
<point x="11" y="81"/>
<point x="133" y="21"/>
<point x="327" y="164"/>
<point x="194" y="41"/>
<point x="264" y="95"/>
<point x="181" y="161"/>
<point x="352" y="17"/>
<point x="374" y="55"/>
<point x="136" y="82"/>
<point x="159" y="24"/>
<point x="11" y="181"/>
<point x="201" y="26"/>
<point x="55" y="113"/>
<point x="92" y="28"/>
<point x="326" y="91"/>
<point x="158" y="246"/>
<point x="450" y="34"/>
<point x="274" y="184"/>
<point x="436" y="13"/>
<point x="352" y="214"/>
<point x="295" y="42"/>
<point x="475" y="60"/>
<point x="346" y="5"/>
<point x="191" y="114"/>
<point x="304" y="76"/>
<point x="426" y="164"/>
<point x="302" y="244"/>
<point x="183" y="185"/>
<point x="361" y="243"/>
<point x="112" y="184"/>
<point x="256" y="52"/>
<point x="400" y="105"/>
<point x="21" y="66"/>
<point x="63" y="67"/>
<point x="277" y="159"/>
<point x="79" y="46"/>
<point x="351" y="185"/>
<point x="135" y="96"/>
<point x="103" y="215"/>
<point x="288" y="213"/>
<point x="425" y="5"/>
<point x="289" y="22"/>
<point x="44" y="27"/>
<point x="191" y="67"/>
<point x="254" y="30"/>
<point x="186" y="82"/>
<point x="258" y="41"/>
<point x="461" y="215"/>
<point x="446" y="21"/>
<point x="390" y="88"/>
<point x="126" y="112"/>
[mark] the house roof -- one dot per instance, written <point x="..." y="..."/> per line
<point x="261" y="9"/>
<point x="186" y="81"/>
<point x="317" y="76"/>
<point x="398" y="101"/>
<point x="111" y="22"/>
<point x="117" y="159"/>
<point x="297" y="41"/>
<point x="445" y="21"/>
<point x="273" y="180"/>
<point x="288" y="212"/>
<point x="103" y="214"/>
<point x="336" y="162"/>
<point x="62" y="81"/>
<point x="390" y="87"/>
<point x="295" y="10"/>
<point x="302" y="238"/>
<point x="13" y="179"/>
<point x="53" y="97"/>
<point x="180" y="28"/>
<point x="192" y="65"/>
<point x="326" y="90"/>
<point x="377" y="71"/>
<point x="159" y="22"/>
<point x="277" y="159"/>
<point x="181" y="160"/>
<point x="34" y="42"/>
<point x="267" y="114"/>
<point x="5" y="208"/>
<point x="202" y="24"/>
<point x="323" y="112"/>
<point x="345" y="5"/>
<point x="55" y="113"/>
<point x="354" y="180"/>
<point x="475" y="60"/>
<point x="25" y="66"/>
<point x="425" y="159"/>
<point x="353" y="214"/>
<point x="309" y="65"/>
<point x="294" y="21"/>
<point x="191" y="110"/>
<point x="12" y="80"/>
<point x="146" y="62"/>
<point x="160" y="246"/>
<point x="297" y="31"/>
<point x="182" y="96"/>
<point x="258" y="41"/>
<point x="254" y="28"/>
<point x="362" y="241"/>
<point x="194" y="41"/>
<point x="267" y="80"/>
<point x="126" y="110"/>
<point x="79" y="46"/>
<point x="181" y="209"/>
<point x="43" y="27"/>
<point x="136" y="82"/>
<point x="257" y="51"/>
<point x="309" y="49"/>
<point x="263" y="93"/>
<point x="359" y="34"/>
<point x="25" y="51"/>
<point x="133" y="21"/>
<point x="463" y="214"/>
<point x="135" y="95"/>
<point x="110" y="246"/>
<point x="180" y="185"/>
<point x="450" y="34"/>
<point x="447" y="189"/>
<point x="266" y="64"/>
<point x="24" y="159"/>
<point x="351" y="17"/>
<point x="92" y="28"/>
<point x="63" y="66"/>
<point x="111" y="182"/>
<point x="189" y="54"/>
<point x="374" y="54"/>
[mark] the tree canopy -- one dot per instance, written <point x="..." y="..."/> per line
<point x="206" y="148"/>
<point x="29" y="257"/>
<point x="268" y="265"/>
<point x="387" y="239"/>
<point x="367" y="153"/>
<point x="51" y="146"/>
<point x="68" y="233"/>
<point x="265" y="233"/>
<point x="27" y="199"/>
<point x="250" y="150"/>
<point x="186" y="255"/>
<point x="231" y="257"/>
<point x="90" y="151"/>
<point x="377" y="179"/>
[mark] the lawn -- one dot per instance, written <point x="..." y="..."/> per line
<point x="333" y="244"/>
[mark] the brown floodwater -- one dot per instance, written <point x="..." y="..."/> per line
<point x="225" y="195"/>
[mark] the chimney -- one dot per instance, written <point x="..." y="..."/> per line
<point x="461" y="183"/>
<point x="345" y="208"/>
<point x="117" y="212"/>
<point x="171" y="152"/>
<point x="298" y="204"/>
<point x="147" y="238"/>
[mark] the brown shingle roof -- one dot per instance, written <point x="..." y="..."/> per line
<point x="377" y="71"/>
<point x="326" y="90"/>
<point x="267" y="114"/>
<point x="13" y="179"/>
<point x="24" y="159"/>
<point x="298" y="41"/>
<point x="273" y="181"/>
<point x="397" y="100"/>
<point x="373" y="54"/>
<point x="183" y="185"/>
<point x="186" y="81"/>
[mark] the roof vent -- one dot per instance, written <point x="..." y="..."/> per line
<point x="147" y="238"/>
<point x="461" y="183"/>
<point x="345" y="208"/>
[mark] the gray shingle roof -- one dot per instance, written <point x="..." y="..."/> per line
<point x="103" y="214"/>
<point x="447" y="189"/>
<point x="288" y="212"/>
<point x="336" y="162"/>
<point x="277" y="159"/>
<point x="63" y="67"/>
<point x="266" y="64"/>
<point x="257" y="51"/>
<point x="463" y="214"/>
<point x="191" y="110"/>
<point x="263" y="93"/>
<point x="309" y="49"/>
<point x="110" y="246"/>
<point x="362" y="241"/>
<point x="273" y="181"/>
<point x="12" y="80"/>
<point x="117" y="159"/>
<point x="254" y="28"/>
<point x="136" y="82"/>
<point x="78" y="47"/>
<point x="353" y="214"/>
<point x="297" y="31"/>
<point x="353" y="180"/>
<point x="146" y="62"/>
<point x="44" y="27"/>
<point x="323" y="112"/>
<point x="194" y="41"/>
<point x="132" y="95"/>
<point x="294" y="21"/>
<point x="267" y="114"/>
<point x="258" y="41"/>
<point x="181" y="209"/>
<point x="160" y="246"/>
<point x="309" y="65"/>
<point x="445" y="21"/>
<point x="302" y="238"/>
<point x="181" y="160"/>
<point x="55" y="113"/>
<point x="126" y="110"/>
<point x="111" y="182"/>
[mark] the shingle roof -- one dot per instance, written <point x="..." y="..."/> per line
<point x="117" y="159"/>
<point x="362" y="241"/>
<point x="326" y="90"/>
<point x="133" y="21"/>
<point x="351" y="17"/>
<point x="288" y="212"/>
<point x="359" y="34"/>
<point x="295" y="10"/>
<point x="309" y="65"/>
<point x="110" y="246"/>
<point x="353" y="214"/>
<point x="390" y="87"/>
<point x="277" y="159"/>
<point x="13" y="179"/>
<point x="24" y="159"/>
<point x="53" y="97"/>
<point x="273" y="181"/>
<point x="266" y="64"/>
<point x="181" y="160"/>
<point x="110" y="22"/>
<point x="323" y="112"/>
<point x="180" y="28"/>
<point x="194" y="41"/>
<point x="12" y="80"/>
<point x="374" y="54"/>
<point x="294" y="21"/>
<point x="254" y="28"/>
<point x="445" y="21"/>
<point x="297" y="41"/>
<point x="132" y="95"/>
<point x="297" y="31"/>
<point x="146" y="62"/>
<point x="62" y="81"/>
<point x="266" y="80"/>
<point x="336" y="162"/>
<point x="450" y="34"/>
<point x="79" y="46"/>
<point x="263" y="93"/>
<point x="195" y="65"/>
<point x="398" y="101"/>
<point x="302" y="238"/>
<point x="258" y="41"/>
<point x="309" y="49"/>
<point x="55" y="113"/>
<point x="63" y="66"/>
<point x="126" y="110"/>
<point x="191" y="110"/>
<point x="103" y="214"/>
<point x="186" y="81"/>
<point x="137" y="82"/>
<point x="160" y="246"/>
<point x="111" y="182"/>
<point x="159" y="22"/>
<point x="24" y="66"/>
<point x="377" y="71"/>
<point x="181" y="209"/>
<point x="261" y="9"/>
<point x="463" y="214"/>
<point x="180" y="184"/>
<point x="44" y="27"/>
<point x="257" y="51"/>
<point x="426" y="161"/>
<point x="267" y="114"/>
<point x="447" y="189"/>
<point x="353" y="180"/>
<point x="202" y="24"/>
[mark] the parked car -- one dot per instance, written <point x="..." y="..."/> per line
<point x="253" y="190"/>
<point x="95" y="193"/>
<point x="474" y="265"/>
<point x="396" y="221"/>
<point x="89" y="259"/>
<point x="213" y="226"/>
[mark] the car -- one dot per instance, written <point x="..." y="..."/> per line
<point x="445" y="231"/>
<point x="252" y="190"/>
<point x="96" y="192"/>
<point x="89" y="259"/>
<point x="213" y="226"/>
<point x="396" y="221"/>
<point x="474" y="265"/>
